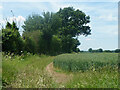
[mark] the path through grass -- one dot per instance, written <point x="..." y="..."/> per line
<point x="27" y="72"/>
<point x="30" y="72"/>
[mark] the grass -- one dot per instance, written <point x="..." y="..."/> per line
<point x="89" y="70"/>
<point x="85" y="61"/>
<point x="26" y="72"/>
<point x="29" y="71"/>
<point x="105" y="78"/>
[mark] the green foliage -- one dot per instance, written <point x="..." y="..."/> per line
<point x="26" y="71"/>
<point x="74" y="22"/>
<point x="8" y="25"/>
<point x="117" y="50"/>
<point x="66" y="43"/>
<point x="84" y="61"/>
<point x="11" y="39"/>
<point x="56" y="45"/>
<point x="32" y="23"/>
<point x="108" y="51"/>
<point x="98" y="50"/>
<point x="90" y="49"/>
<point x="41" y="33"/>
<point x="75" y="43"/>
<point x="29" y="45"/>
<point x="32" y="39"/>
<point x="61" y="26"/>
<point x="69" y="44"/>
<point x="104" y="78"/>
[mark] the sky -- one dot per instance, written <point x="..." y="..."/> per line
<point x="103" y="17"/>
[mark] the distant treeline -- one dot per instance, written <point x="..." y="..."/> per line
<point x="50" y="33"/>
<point x="101" y="50"/>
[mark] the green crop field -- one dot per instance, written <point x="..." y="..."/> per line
<point x="88" y="70"/>
<point x="85" y="61"/>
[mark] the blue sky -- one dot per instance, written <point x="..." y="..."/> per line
<point x="103" y="16"/>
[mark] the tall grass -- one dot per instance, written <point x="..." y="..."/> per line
<point x="26" y="71"/>
<point x="85" y="61"/>
<point x="100" y="69"/>
<point x="104" y="78"/>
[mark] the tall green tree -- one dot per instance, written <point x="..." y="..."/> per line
<point x="74" y="22"/>
<point x="33" y="22"/>
<point x="11" y="39"/>
<point x="90" y="49"/>
<point x="100" y="50"/>
<point x="56" y="45"/>
<point x="51" y="25"/>
<point x="61" y="26"/>
<point x="31" y="39"/>
<point x="48" y="25"/>
<point x="117" y="50"/>
<point x="29" y="45"/>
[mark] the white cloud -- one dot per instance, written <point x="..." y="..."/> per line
<point x="19" y="20"/>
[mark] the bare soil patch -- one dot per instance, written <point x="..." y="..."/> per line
<point x="58" y="77"/>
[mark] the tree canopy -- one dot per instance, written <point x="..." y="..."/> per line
<point x="74" y="22"/>
<point x="11" y="39"/>
<point x="49" y="33"/>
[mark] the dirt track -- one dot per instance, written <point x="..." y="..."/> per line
<point x="58" y="77"/>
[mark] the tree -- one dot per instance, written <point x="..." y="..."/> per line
<point x="108" y="51"/>
<point x="47" y="24"/>
<point x="29" y="45"/>
<point x="51" y="25"/>
<point x="100" y="50"/>
<point x="74" y="22"/>
<point x="61" y="29"/>
<point x="11" y="39"/>
<point x="33" y="22"/>
<point x="76" y="43"/>
<point x="67" y="44"/>
<point x="8" y="25"/>
<point x="56" y="45"/>
<point x="117" y="50"/>
<point x="90" y="49"/>
<point x="32" y="37"/>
